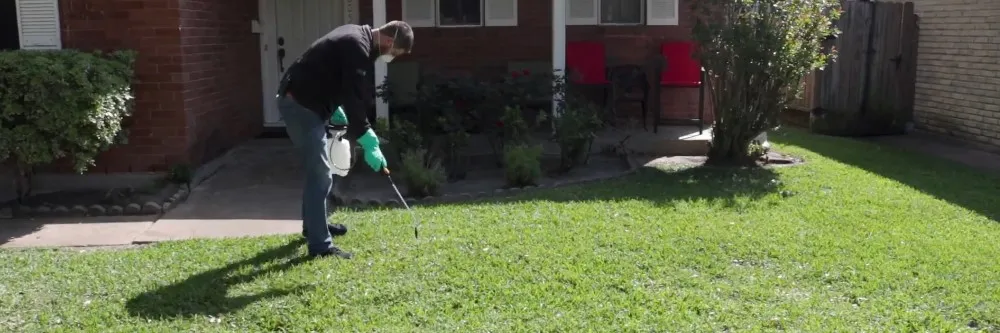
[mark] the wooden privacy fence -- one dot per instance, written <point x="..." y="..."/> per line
<point x="869" y="88"/>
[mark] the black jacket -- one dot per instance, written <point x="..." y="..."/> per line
<point x="334" y="72"/>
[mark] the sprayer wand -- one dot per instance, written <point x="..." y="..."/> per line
<point x="416" y="221"/>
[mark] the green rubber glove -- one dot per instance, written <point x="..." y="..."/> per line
<point x="373" y="154"/>
<point x="338" y="117"/>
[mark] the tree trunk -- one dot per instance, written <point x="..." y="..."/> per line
<point x="22" y="182"/>
<point x="730" y="149"/>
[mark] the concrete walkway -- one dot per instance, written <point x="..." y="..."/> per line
<point x="256" y="192"/>
<point x="945" y="148"/>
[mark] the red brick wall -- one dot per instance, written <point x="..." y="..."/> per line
<point x="150" y="27"/>
<point x="197" y="75"/>
<point x="221" y="60"/>
<point x="490" y="48"/>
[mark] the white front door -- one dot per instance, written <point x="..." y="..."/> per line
<point x="296" y="24"/>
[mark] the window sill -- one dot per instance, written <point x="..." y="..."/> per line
<point x="621" y="24"/>
<point x="459" y="26"/>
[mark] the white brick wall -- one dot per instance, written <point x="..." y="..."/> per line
<point x="958" y="69"/>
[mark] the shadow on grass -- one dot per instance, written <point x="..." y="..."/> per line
<point x="729" y="188"/>
<point x="944" y="179"/>
<point x="204" y="294"/>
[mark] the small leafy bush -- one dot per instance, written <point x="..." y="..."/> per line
<point x="65" y="103"/>
<point x="523" y="165"/>
<point x="422" y="173"/>
<point x="576" y="128"/>
<point x="401" y="136"/>
<point x="515" y="129"/>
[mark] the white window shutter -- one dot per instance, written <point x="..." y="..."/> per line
<point x="582" y="12"/>
<point x="501" y="13"/>
<point x="38" y="24"/>
<point x="419" y="13"/>
<point x="661" y="12"/>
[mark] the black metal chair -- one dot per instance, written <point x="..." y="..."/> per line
<point x="628" y="84"/>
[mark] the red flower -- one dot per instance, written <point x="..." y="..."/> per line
<point x="499" y="123"/>
<point x="526" y="72"/>
<point x="514" y="74"/>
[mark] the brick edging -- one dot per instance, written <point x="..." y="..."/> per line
<point x="146" y="208"/>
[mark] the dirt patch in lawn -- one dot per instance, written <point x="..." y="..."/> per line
<point x="772" y="159"/>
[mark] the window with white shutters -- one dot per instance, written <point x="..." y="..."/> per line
<point x="9" y="31"/>
<point x="622" y="12"/>
<point x="419" y="13"/>
<point x="38" y="24"/>
<point x="582" y="12"/>
<point x="501" y="13"/>
<point x="460" y="13"/>
<point x="661" y="12"/>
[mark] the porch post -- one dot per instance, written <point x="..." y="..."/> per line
<point x="558" y="48"/>
<point x="378" y="19"/>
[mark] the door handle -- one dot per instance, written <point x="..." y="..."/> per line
<point x="281" y="59"/>
<point x="281" y="54"/>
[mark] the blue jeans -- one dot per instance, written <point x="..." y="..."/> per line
<point x="308" y="134"/>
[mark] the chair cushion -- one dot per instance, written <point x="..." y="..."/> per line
<point x="682" y="69"/>
<point x="586" y="62"/>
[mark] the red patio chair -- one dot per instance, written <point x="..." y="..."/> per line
<point x="586" y="64"/>
<point x="682" y="70"/>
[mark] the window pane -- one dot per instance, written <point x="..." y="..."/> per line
<point x="460" y="12"/>
<point x="621" y="11"/>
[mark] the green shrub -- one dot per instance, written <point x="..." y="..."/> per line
<point x="422" y="173"/>
<point x="515" y="129"/>
<point x="523" y="165"/>
<point x="755" y="53"/>
<point x="576" y="128"/>
<point x="65" y="103"/>
<point x="402" y="136"/>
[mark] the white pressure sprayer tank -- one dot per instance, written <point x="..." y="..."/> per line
<point x="339" y="151"/>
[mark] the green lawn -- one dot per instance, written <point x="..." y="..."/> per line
<point x="861" y="238"/>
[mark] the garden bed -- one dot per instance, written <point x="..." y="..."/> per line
<point x="484" y="178"/>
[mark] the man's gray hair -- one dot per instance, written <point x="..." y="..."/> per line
<point x="402" y="31"/>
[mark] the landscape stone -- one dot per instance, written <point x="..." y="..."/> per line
<point x="116" y="210"/>
<point x="60" y="210"/>
<point x="43" y="210"/>
<point x="166" y="206"/>
<point x="133" y="209"/>
<point x="151" y="208"/>
<point x="97" y="210"/>
<point x="78" y="210"/>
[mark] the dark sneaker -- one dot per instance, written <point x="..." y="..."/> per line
<point x="336" y="229"/>
<point x="333" y="252"/>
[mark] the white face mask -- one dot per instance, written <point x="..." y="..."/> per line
<point x="386" y="58"/>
